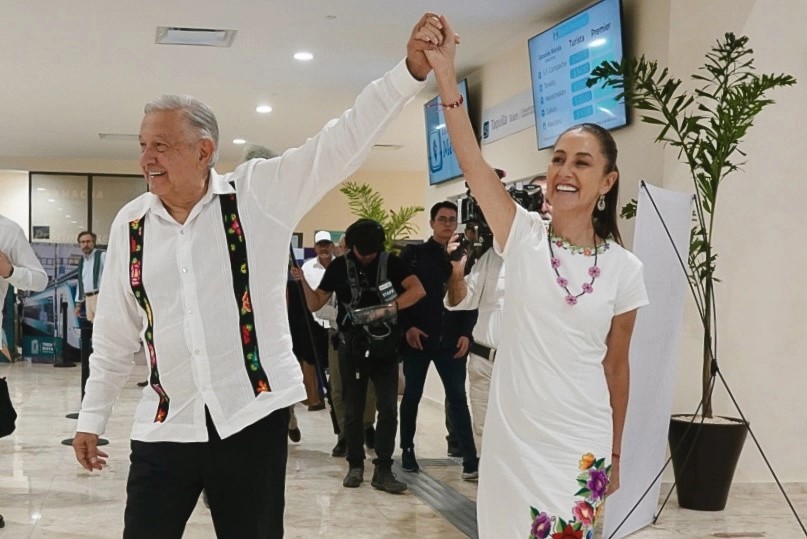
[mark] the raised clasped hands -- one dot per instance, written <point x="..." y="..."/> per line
<point x="428" y="37"/>
<point x="442" y="54"/>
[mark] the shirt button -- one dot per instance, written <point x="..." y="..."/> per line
<point x="184" y="270"/>
<point x="190" y="311"/>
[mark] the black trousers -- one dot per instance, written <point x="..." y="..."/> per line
<point x="356" y="368"/>
<point x="244" y="477"/>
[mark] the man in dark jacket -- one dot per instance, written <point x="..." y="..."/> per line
<point x="432" y="333"/>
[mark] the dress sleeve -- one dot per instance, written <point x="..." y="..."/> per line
<point x="632" y="293"/>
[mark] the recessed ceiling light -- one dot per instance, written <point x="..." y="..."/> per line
<point x="303" y="56"/>
<point x="68" y="216"/>
<point x="239" y="141"/>
<point x="202" y="37"/>
<point x="74" y="222"/>
<point x="40" y="189"/>
<point x="51" y="200"/>
<point x="263" y="109"/>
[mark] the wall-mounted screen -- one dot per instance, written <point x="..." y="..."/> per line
<point x="443" y="165"/>
<point x="561" y="59"/>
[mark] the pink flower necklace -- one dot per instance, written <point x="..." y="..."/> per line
<point x="593" y="271"/>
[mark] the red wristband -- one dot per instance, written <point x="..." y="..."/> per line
<point x="455" y="104"/>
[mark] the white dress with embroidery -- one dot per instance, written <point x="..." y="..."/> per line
<point x="547" y="439"/>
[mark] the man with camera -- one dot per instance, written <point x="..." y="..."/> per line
<point x="436" y="335"/>
<point x="482" y="288"/>
<point x="371" y="285"/>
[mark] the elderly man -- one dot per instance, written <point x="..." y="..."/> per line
<point x="196" y="268"/>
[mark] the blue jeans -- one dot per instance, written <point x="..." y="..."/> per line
<point x="452" y="373"/>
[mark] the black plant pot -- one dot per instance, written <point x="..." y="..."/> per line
<point x="704" y="458"/>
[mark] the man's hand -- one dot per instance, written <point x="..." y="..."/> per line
<point x="296" y="273"/>
<point x="77" y="311"/>
<point x="457" y="266"/>
<point x="462" y="347"/>
<point x="414" y="336"/>
<point x="426" y="35"/>
<point x="87" y="453"/>
<point x="6" y="267"/>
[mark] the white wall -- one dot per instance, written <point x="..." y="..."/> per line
<point x="14" y="197"/>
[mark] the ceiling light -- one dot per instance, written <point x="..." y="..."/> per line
<point x="387" y="147"/>
<point x="239" y="141"/>
<point x="40" y="189"/>
<point x="118" y="137"/>
<point x="74" y="222"/>
<point x="68" y="216"/>
<point x="303" y="56"/>
<point x="263" y="109"/>
<point x="51" y="200"/>
<point x="201" y="37"/>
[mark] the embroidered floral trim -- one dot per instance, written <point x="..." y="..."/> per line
<point x="136" y="282"/>
<point x="593" y="481"/>
<point x="237" y="246"/>
<point x="563" y="243"/>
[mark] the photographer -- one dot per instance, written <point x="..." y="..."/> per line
<point x="364" y="278"/>
<point x="483" y="288"/>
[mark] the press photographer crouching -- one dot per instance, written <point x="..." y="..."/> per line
<point x="371" y="285"/>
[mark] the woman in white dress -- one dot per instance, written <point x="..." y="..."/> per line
<point x="559" y="390"/>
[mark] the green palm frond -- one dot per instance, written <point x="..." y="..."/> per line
<point x="367" y="203"/>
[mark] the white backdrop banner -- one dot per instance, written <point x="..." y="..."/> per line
<point x="653" y="353"/>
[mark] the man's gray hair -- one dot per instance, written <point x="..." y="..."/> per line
<point x="198" y="115"/>
<point x="258" y="152"/>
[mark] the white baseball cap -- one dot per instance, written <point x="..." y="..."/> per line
<point x="322" y="235"/>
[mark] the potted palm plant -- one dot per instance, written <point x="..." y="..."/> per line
<point x="365" y="202"/>
<point x="706" y="126"/>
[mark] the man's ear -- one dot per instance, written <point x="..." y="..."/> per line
<point x="206" y="149"/>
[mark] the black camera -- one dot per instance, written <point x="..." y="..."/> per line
<point x="478" y="236"/>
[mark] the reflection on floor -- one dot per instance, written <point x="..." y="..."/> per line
<point x="44" y="493"/>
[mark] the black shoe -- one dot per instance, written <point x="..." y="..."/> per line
<point x="408" y="461"/>
<point x="354" y="477"/>
<point x="384" y="479"/>
<point x="369" y="437"/>
<point x="340" y="449"/>
<point x="470" y="470"/>
<point x="143" y="384"/>
<point x="295" y="435"/>
<point x="2" y="522"/>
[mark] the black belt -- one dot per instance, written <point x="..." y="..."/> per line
<point x="88" y="294"/>
<point x="483" y="351"/>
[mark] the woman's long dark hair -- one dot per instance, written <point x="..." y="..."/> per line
<point x="605" y="221"/>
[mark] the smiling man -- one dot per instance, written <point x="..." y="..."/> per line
<point x="196" y="268"/>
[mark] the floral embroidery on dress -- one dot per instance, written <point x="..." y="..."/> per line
<point x="563" y="243"/>
<point x="593" y="481"/>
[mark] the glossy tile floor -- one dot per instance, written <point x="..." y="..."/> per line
<point x="44" y="493"/>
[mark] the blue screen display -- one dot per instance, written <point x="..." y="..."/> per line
<point x="561" y="59"/>
<point x="443" y="164"/>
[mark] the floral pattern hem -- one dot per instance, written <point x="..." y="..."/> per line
<point x="593" y="481"/>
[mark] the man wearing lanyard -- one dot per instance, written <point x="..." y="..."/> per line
<point x="90" y="269"/>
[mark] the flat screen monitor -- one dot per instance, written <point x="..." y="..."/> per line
<point x="561" y="60"/>
<point x="443" y="164"/>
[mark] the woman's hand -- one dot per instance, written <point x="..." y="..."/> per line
<point x="442" y="54"/>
